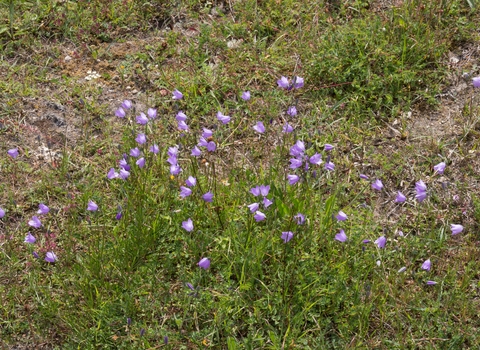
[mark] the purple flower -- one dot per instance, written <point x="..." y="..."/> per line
<point x="329" y="166"/>
<point x="50" y="257"/>
<point x="365" y="241"/>
<point x="287" y="128"/>
<point x="181" y="117"/>
<point x="223" y="118"/>
<point x="403" y="269"/>
<point x="283" y="83"/>
<point x="175" y="169"/>
<point x="123" y="164"/>
<point x="377" y="185"/>
<point x="191" y="181"/>
<point x="400" y="197"/>
<point x="208" y="197"/>
<point x="188" y="225"/>
<point x="259" y="216"/>
<point x="293" y="179"/>
<point x="431" y="283"/>
<point x="253" y="207"/>
<point x="29" y="238"/>
<point x="287" y="236"/>
<point x="182" y="125"/>
<point x="185" y="191"/>
<point x="141" y="139"/>
<point x="295" y="163"/>
<point x="211" y="146"/>
<point x="165" y="340"/>
<point x="246" y="95"/>
<point x="120" y="112"/>
<point x="297" y="82"/>
<point x="177" y="95"/>
<point x="35" y="255"/>
<point x="421" y="190"/>
<point x="152" y="113"/>
<point x="328" y="147"/>
<point x="190" y="286"/>
<point x="426" y="265"/>
<point x="123" y="174"/>
<point x="341" y="236"/>
<point x="202" y="142"/>
<point x="381" y="241"/>
<point x="316" y="159"/>
<point x="255" y="191"/>
<point x="142" y="332"/>
<point x="341" y="216"/>
<point x="204" y="263"/>
<point x="196" y="152"/>
<point x="363" y="176"/>
<point x="135" y="152"/>
<point x="112" y="174"/>
<point x="456" y="229"/>
<point x="35" y="222"/>
<point x="2" y="213"/>
<point x="119" y="214"/>
<point x="142" y="119"/>
<point x="259" y="127"/>
<point x="140" y="162"/>
<point x="43" y="209"/>
<point x="440" y="167"/>
<point x="127" y="104"/>
<point x="292" y="111"/>
<point x="92" y="206"/>
<point x="297" y="149"/>
<point x="264" y="189"/>
<point x="13" y="152"/>
<point x="129" y="321"/>
<point x="155" y="149"/>
<point x="300" y="218"/>
<point x="207" y="133"/>
<point x="476" y="82"/>
<point x="267" y="202"/>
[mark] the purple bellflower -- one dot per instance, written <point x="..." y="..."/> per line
<point x="30" y="238"/>
<point x="208" y="197"/>
<point x="456" y="229"/>
<point x="427" y="264"/>
<point x="35" y="222"/>
<point x="287" y="128"/>
<point x="92" y="206"/>
<point x="476" y="82"/>
<point x="181" y="117"/>
<point x="177" y="95"/>
<point x="293" y="179"/>
<point x="141" y="139"/>
<point x="50" y="257"/>
<point x="43" y="209"/>
<point x="440" y="167"/>
<point x="400" y="197"/>
<point x="204" y="263"/>
<point x="223" y="118"/>
<point x="381" y="241"/>
<point x="152" y="113"/>
<point x="246" y="95"/>
<point x="140" y="162"/>
<point x="259" y="216"/>
<point x="120" y="112"/>
<point x="2" y="213"/>
<point x="188" y="225"/>
<point x="341" y="216"/>
<point x="259" y="127"/>
<point x="127" y="104"/>
<point x="13" y="152"/>
<point x="299" y="218"/>
<point x="142" y="119"/>
<point x="377" y="185"/>
<point x="191" y="181"/>
<point x="341" y="236"/>
<point x="287" y="236"/>
<point x="185" y="191"/>
<point x="292" y="111"/>
<point x="155" y="149"/>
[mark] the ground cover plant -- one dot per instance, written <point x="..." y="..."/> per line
<point x="239" y="175"/>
